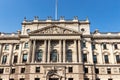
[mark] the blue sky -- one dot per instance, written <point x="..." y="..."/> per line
<point x="103" y="14"/>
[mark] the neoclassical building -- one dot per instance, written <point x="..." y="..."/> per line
<point x="59" y="50"/>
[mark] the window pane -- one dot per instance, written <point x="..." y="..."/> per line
<point x="118" y="58"/>
<point x="53" y="56"/>
<point x="22" y="70"/>
<point x="84" y="57"/>
<point x="37" y="69"/>
<point x="115" y="46"/>
<point x="4" y="59"/>
<point x="70" y="69"/>
<point x="15" y="59"/>
<point x="106" y="58"/>
<point x="26" y="45"/>
<point x="6" y="47"/>
<point x="17" y="47"/>
<point x="104" y="46"/>
<point x="39" y="55"/>
<point x="1" y="71"/>
<point x="69" y="56"/>
<point x="94" y="58"/>
<point x="24" y="57"/>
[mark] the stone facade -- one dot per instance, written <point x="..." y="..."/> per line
<point x="59" y="50"/>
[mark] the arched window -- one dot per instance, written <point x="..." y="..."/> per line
<point x="53" y="56"/>
<point x="69" y="55"/>
<point x="39" y="54"/>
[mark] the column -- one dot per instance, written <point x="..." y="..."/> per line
<point x="60" y="51"/>
<point x="1" y="46"/>
<point x="111" y="56"/>
<point x="11" y="53"/>
<point x="20" y="52"/>
<point x="100" y="56"/>
<point x="79" y="52"/>
<point x="64" y="51"/>
<point x="48" y="53"/>
<point x="75" y="54"/>
<point x="30" y="49"/>
<point x="44" y="53"/>
<point x="33" y="52"/>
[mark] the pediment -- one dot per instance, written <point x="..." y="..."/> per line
<point x="54" y="30"/>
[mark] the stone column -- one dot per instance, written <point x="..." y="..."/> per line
<point x="75" y="51"/>
<point x="30" y="49"/>
<point x="48" y="53"/>
<point x="64" y="50"/>
<point x="1" y="47"/>
<point x="33" y="52"/>
<point x="60" y="51"/>
<point x="79" y="52"/>
<point x="11" y="53"/>
<point x="44" y="53"/>
<point x="111" y="56"/>
<point x="20" y="52"/>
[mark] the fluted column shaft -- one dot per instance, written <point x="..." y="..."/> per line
<point x="11" y="53"/>
<point x="64" y="51"/>
<point x="48" y="58"/>
<point x="60" y="51"/>
<point x="44" y="53"/>
<point x="79" y="52"/>
<point x="33" y="52"/>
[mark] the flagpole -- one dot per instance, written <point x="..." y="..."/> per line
<point x="56" y="9"/>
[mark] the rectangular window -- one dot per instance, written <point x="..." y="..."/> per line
<point x="37" y="69"/>
<point x="115" y="46"/>
<point x="86" y="78"/>
<point x="17" y="47"/>
<point x="93" y="46"/>
<point x="70" y="69"/>
<point x="22" y="70"/>
<point x="24" y="58"/>
<point x="118" y="58"/>
<point x="70" y="78"/>
<point x="104" y="46"/>
<point x="108" y="70"/>
<point x="98" y="79"/>
<point x="96" y="70"/>
<point x="1" y="71"/>
<point x="37" y="78"/>
<point x="106" y="58"/>
<point x="15" y="59"/>
<point x="6" y="47"/>
<point x="22" y="79"/>
<point x="95" y="58"/>
<point x="26" y="45"/>
<point x="110" y="79"/>
<point x="4" y="59"/>
<point x="84" y="57"/>
<point x="86" y="70"/>
<point x="11" y="79"/>
<point x="12" y="71"/>
<point x="84" y="44"/>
